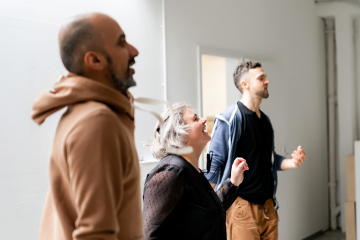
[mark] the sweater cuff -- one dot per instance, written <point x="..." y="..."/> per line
<point x="229" y="185"/>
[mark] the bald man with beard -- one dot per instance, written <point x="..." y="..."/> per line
<point x="94" y="169"/>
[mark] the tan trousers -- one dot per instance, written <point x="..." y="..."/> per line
<point x="248" y="221"/>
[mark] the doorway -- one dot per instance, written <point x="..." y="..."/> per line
<point x="216" y="85"/>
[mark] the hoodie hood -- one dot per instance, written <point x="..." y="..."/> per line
<point x="74" y="89"/>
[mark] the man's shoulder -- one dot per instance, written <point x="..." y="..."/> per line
<point x="88" y="114"/>
<point x="91" y="109"/>
<point x="266" y="116"/>
<point x="230" y="112"/>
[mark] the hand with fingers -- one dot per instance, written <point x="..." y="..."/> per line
<point x="298" y="157"/>
<point x="237" y="171"/>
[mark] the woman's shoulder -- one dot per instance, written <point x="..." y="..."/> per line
<point x="172" y="160"/>
<point x="173" y="163"/>
<point x="168" y="168"/>
<point x="167" y="163"/>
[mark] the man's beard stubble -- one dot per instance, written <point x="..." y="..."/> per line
<point x="120" y="84"/>
<point x="263" y="94"/>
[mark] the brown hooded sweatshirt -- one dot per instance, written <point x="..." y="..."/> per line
<point x="94" y="170"/>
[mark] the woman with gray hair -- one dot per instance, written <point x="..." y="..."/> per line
<point x="179" y="202"/>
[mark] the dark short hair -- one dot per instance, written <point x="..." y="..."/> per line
<point x="80" y="37"/>
<point x="241" y="70"/>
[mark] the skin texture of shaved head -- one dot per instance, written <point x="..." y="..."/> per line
<point x="76" y="38"/>
<point x="94" y="45"/>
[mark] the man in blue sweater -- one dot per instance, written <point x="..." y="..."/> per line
<point x="243" y="130"/>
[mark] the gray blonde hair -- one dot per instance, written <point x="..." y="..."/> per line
<point x="176" y="137"/>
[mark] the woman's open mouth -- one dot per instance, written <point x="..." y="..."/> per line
<point x="204" y="130"/>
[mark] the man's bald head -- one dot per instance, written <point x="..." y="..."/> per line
<point x="77" y="37"/>
<point x="95" y="46"/>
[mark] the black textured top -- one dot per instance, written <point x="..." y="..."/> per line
<point x="255" y="145"/>
<point x="179" y="203"/>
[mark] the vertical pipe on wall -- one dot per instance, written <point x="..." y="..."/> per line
<point x="345" y="89"/>
<point x="331" y="99"/>
<point x="202" y="158"/>
<point x="164" y="50"/>
<point x="357" y="74"/>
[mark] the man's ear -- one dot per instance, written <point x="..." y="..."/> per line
<point x="244" y="84"/>
<point x="95" y="60"/>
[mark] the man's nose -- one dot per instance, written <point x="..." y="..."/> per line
<point x="267" y="81"/>
<point x="203" y="120"/>
<point x="133" y="52"/>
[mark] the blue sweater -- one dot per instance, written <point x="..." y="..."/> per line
<point x="226" y="133"/>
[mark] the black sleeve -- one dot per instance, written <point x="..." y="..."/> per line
<point x="161" y="194"/>
<point x="227" y="193"/>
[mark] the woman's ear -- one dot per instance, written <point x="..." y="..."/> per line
<point x="95" y="60"/>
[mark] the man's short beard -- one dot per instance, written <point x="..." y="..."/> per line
<point x="263" y="94"/>
<point x="120" y="84"/>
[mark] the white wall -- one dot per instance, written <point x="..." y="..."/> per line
<point x="347" y="70"/>
<point x="357" y="73"/>
<point x="233" y="94"/>
<point x="287" y="37"/>
<point x="29" y="63"/>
